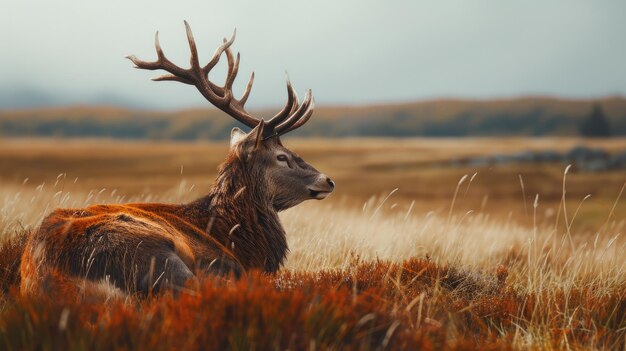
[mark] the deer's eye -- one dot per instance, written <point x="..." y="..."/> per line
<point x="281" y="158"/>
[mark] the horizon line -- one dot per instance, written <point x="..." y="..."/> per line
<point x="375" y="104"/>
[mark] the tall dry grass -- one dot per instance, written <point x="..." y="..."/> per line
<point x="558" y="288"/>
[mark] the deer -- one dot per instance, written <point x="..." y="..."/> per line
<point x="142" y="248"/>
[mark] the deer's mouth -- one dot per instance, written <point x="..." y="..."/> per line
<point x="319" y="194"/>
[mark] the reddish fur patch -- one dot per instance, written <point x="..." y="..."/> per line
<point x="51" y="250"/>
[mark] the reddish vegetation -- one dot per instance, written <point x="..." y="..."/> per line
<point x="370" y="305"/>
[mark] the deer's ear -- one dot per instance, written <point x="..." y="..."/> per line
<point x="236" y="135"/>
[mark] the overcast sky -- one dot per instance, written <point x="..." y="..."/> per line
<point x="348" y="51"/>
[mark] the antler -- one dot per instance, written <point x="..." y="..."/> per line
<point x="292" y="116"/>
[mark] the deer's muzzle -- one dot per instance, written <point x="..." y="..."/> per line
<point x="322" y="187"/>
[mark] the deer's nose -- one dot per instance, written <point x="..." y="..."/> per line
<point x="330" y="183"/>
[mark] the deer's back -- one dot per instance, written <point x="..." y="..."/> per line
<point x="112" y="240"/>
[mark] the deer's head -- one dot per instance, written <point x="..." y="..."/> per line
<point x="287" y="178"/>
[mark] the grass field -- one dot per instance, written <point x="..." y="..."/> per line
<point x="459" y="258"/>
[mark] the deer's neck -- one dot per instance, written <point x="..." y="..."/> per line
<point x="239" y="213"/>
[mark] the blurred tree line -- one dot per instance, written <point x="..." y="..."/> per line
<point x="447" y="118"/>
<point x="596" y="124"/>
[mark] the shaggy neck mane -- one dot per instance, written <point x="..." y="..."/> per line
<point x="239" y="213"/>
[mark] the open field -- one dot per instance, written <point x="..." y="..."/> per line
<point x="362" y="168"/>
<point x="478" y="264"/>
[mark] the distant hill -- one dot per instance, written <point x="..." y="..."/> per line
<point x="533" y="116"/>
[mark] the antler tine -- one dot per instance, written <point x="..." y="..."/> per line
<point x="200" y="78"/>
<point x="284" y="113"/>
<point x="233" y="69"/>
<point x="195" y="63"/>
<point x="246" y="92"/>
<point x="305" y="118"/>
<point x="171" y="77"/>
<point x="218" y="53"/>
<point x="229" y="58"/>
<point x="296" y="103"/>
<point x="302" y="112"/>
<point x="157" y="46"/>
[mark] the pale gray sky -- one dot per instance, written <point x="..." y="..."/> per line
<point x="348" y="51"/>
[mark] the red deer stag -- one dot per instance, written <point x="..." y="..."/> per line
<point x="144" y="247"/>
